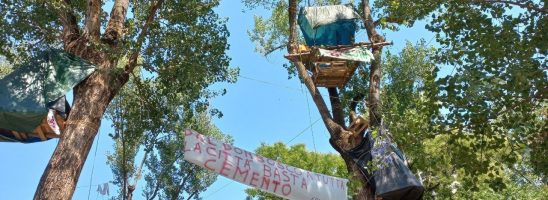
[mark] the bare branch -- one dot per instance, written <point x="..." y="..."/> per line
<point x="180" y="187"/>
<point x="155" y="191"/>
<point x="192" y="195"/>
<point x="275" y="49"/>
<point x="93" y="21"/>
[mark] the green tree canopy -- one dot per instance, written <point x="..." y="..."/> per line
<point x="447" y="166"/>
<point x="179" y="45"/>
<point x="488" y="104"/>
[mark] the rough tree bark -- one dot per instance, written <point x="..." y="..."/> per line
<point x="375" y="71"/>
<point x="342" y="139"/>
<point x="91" y="96"/>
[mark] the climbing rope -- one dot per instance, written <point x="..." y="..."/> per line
<point x="93" y="165"/>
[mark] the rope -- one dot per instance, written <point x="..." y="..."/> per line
<point x="93" y="165"/>
<point x="310" y="121"/>
<point x="289" y="88"/>
<point x="303" y="131"/>
<point x="269" y="83"/>
<point x="223" y="187"/>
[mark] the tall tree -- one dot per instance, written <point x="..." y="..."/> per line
<point x="176" y="39"/>
<point x="495" y="46"/>
<point x="410" y="94"/>
<point x="168" y="175"/>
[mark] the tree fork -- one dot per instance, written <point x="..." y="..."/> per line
<point x="91" y="97"/>
<point x="64" y="168"/>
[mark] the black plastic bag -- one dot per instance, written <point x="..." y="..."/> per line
<point x="384" y="166"/>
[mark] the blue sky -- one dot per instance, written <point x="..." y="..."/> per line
<point x="262" y="107"/>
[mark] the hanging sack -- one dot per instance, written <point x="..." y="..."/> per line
<point x="384" y="166"/>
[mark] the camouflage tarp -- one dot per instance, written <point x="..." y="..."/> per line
<point x="27" y="93"/>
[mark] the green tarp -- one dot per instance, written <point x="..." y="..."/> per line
<point x="27" y="93"/>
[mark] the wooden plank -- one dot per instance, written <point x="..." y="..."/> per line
<point x="17" y="135"/>
<point x="38" y="131"/>
<point x="25" y="136"/>
<point x="333" y="73"/>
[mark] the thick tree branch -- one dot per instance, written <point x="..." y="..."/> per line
<point x="93" y="21"/>
<point x="141" y="38"/>
<point x="291" y="41"/>
<point x="318" y="100"/>
<point x="336" y="107"/>
<point x="71" y="32"/>
<point x="115" y="26"/>
<point x="374" y="101"/>
<point x="374" y="37"/>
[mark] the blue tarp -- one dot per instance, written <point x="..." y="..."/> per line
<point x="328" y="25"/>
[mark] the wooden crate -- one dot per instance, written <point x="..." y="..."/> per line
<point x="333" y="73"/>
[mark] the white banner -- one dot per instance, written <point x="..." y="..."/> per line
<point x="260" y="172"/>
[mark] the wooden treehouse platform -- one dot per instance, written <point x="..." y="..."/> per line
<point x="333" y="73"/>
<point x="42" y="131"/>
<point x="326" y="71"/>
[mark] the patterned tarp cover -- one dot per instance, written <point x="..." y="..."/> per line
<point x="27" y="93"/>
<point x="360" y="53"/>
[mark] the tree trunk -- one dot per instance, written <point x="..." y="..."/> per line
<point x="91" y="96"/>
<point x="375" y="71"/>
<point x="63" y="170"/>
<point x="341" y="139"/>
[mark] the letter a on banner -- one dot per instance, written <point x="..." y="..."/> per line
<point x="265" y="174"/>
